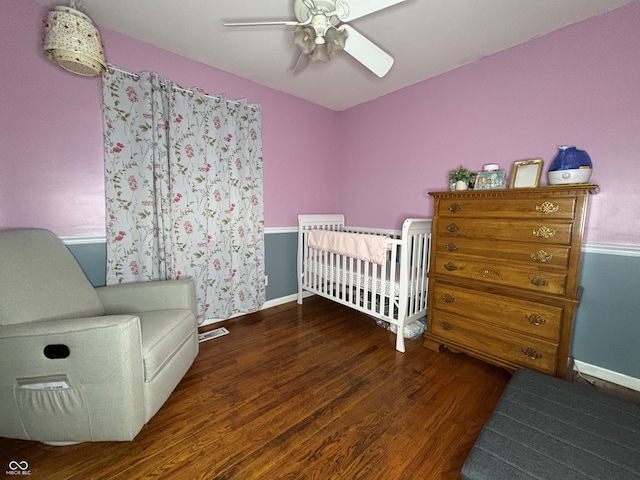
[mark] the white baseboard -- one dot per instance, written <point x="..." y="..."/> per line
<point x="282" y="300"/>
<point x="268" y="304"/>
<point x="607" y="375"/>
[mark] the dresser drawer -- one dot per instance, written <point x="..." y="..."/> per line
<point x="510" y="347"/>
<point x="500" y="273"/>
<point x="529" y="318"/>
<point x="525" y="253"/>
<point x="541" y="207"/>
<point x="530" y="231"/>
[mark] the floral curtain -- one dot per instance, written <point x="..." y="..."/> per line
<point x="184" y="191"/>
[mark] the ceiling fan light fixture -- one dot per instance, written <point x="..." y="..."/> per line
<point x="73" y="42"/>
<point x="336" y="40"/>
<point x="304" y="39"/>
<point x="320" y="54"/>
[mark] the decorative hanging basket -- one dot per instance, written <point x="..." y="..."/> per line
<point x="73" y="42"/>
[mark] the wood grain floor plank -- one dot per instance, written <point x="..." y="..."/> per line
<point x="298" y="392"/>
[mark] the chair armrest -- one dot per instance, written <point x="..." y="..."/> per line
<point x="72" y="326"/>
<point x="147" y="296"/>
<point x="104" y="363"/>
<point x="114" y="337"/>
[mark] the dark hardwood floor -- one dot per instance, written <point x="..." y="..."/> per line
<point x="298" y="392"/>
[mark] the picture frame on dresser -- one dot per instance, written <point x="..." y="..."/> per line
<point x="526" y="173"/>
<point x="490" y="180"/>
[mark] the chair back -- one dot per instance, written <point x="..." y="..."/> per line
<point x="40" y="279"/>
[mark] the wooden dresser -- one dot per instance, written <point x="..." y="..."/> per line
<point x="503" y="279"/>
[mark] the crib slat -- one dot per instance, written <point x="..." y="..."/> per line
<point x="381" y="296"/>
<point x="358" y="283"/>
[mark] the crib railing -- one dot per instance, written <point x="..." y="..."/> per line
<point x="395" y="291"/>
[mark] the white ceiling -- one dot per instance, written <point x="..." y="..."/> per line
<point x="426" y="38"/>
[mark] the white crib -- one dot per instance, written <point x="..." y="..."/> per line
<point x="395" y="291"/>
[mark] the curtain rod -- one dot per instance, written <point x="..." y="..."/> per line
<point x="136" y="76"/>
<point x="113" y="68"/>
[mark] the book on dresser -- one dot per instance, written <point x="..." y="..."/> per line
<point x="503" y="277"/>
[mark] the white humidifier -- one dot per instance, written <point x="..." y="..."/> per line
<point x="570" y="166"/>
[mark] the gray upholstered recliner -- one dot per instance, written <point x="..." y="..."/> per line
<point x="82" y="364"/>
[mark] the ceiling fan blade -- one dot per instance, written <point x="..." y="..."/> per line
<point x="351" y="9"/>
<point x="367" y="52"/>
<point x="251" y="24"/>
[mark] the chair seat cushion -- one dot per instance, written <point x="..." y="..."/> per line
<point x="163" y="333"/>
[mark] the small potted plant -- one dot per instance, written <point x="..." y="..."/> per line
<point x="459" y="178"/>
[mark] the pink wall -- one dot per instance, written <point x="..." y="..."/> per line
<point x="578" y="86"/>
<point x="51" y="165"/>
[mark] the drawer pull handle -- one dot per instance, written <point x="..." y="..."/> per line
<point x="547" y="208"/>
<point x="531" y="353"/>
<point x="544" y="232"/>
<point x="451" y="247"/>
<point x="535" y="319"/>
<point x="448" y="298"/>
<point x="541" y="256"/>
<point x="454" y="208"/>
<point x="453" y="228"/>
<point x="490" y="273"/>
<point x="450" y="266"/>
<point x="538" y="281"/>
<point x="446" y="326"/>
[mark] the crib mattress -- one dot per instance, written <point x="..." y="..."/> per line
<point x="547" y="428"/>
<point x="342" y="275"/>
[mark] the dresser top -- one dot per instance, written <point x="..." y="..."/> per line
<point x="553" y="190"/>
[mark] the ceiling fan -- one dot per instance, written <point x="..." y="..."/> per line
<point x="322" y="30"/>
